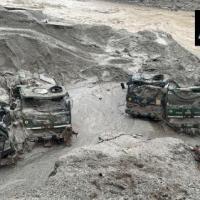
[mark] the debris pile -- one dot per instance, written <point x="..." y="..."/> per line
<point x="123" y="168"/>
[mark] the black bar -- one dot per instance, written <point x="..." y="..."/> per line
<point x="197" y="27"/>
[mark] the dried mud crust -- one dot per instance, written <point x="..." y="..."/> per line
<point x="78" y="52"/>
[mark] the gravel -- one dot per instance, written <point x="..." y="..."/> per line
<point x="124" y="168"/>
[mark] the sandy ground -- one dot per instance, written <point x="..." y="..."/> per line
<point x="179" y="24"/>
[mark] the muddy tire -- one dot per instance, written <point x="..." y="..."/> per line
<point x="67" y="136"/>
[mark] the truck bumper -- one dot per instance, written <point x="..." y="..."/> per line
<point x="152" y="113"/>
<point x="48" y="127"/>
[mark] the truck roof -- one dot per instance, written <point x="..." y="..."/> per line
<point x="148" y="78"/>
<point x="41" y="92"/>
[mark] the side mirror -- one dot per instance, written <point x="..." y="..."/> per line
<point x="123" y="86"/>
<point x="69" y="101"/>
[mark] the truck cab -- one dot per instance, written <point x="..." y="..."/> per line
<point x="43" y="108"/>
<point x="155" y="97"/>
<point x="7" y="150"/>
<point x="145" y="95"/>
<point x="182" y="110"/>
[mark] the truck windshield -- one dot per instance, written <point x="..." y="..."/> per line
<point x="45" y="105"/>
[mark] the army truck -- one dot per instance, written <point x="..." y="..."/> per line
<point x="43" y="109"/>
<point x="7" y="150"/>
<point x="155" y="97"/>
<point x="145" y="95"/>
<point x="182" y="109"/>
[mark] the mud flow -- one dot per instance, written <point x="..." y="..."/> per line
<point x="129" y="15"/>
<point x="91" y="60"/>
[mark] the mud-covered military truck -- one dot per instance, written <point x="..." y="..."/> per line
<point x="43" y="109"/>
<point x="157" y="98"/>
<point x="7" y="150"/>
<point x="145" y="95"/>
<point x="182" y="109"/>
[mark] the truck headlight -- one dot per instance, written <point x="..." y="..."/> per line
<point x="7" y="145"/>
